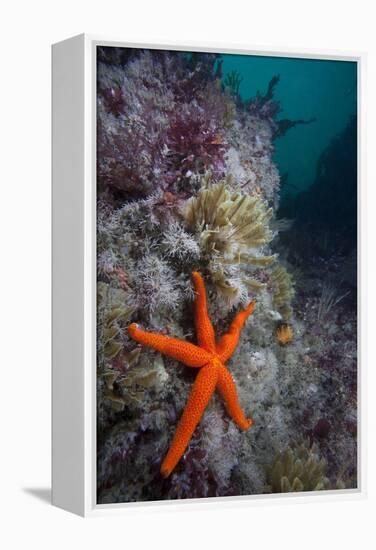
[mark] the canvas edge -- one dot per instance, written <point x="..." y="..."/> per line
<point x="68" y="381"/>
<point x="89" y="507"/>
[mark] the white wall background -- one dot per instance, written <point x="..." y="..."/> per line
<point x="27" y="30"/>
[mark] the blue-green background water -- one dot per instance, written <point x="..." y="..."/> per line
<point x="325" y="90"/>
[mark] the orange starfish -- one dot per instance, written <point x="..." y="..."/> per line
<point x="210" y="358"/>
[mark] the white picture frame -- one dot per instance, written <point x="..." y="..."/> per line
<point x="74" y="276"/>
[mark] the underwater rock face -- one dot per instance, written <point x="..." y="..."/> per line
<point x="179" y="156"/>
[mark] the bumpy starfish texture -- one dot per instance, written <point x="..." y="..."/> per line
<point x="209" y="356"/>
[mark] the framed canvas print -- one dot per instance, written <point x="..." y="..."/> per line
<point x="205" y="274"/>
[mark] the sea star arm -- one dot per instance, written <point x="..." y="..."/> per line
<point x="227" y="344"/>
<point x="182" y="351"/>
<point x="200" y="395"/>
<point x="204" y="327"/>
<point x="227" y="389"/>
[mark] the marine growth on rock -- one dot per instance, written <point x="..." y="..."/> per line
<point x="186" y="182"/>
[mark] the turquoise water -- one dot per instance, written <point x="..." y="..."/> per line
<point x="325" y="90"/>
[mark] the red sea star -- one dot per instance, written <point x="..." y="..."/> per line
<point x="210" y="358"/>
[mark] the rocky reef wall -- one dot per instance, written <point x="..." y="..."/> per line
<point x="186" y="182"/>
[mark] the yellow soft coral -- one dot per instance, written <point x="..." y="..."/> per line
<point x="231" y="228"/>
<point x="229" y="223"/>
<point x="298" y="469"/>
